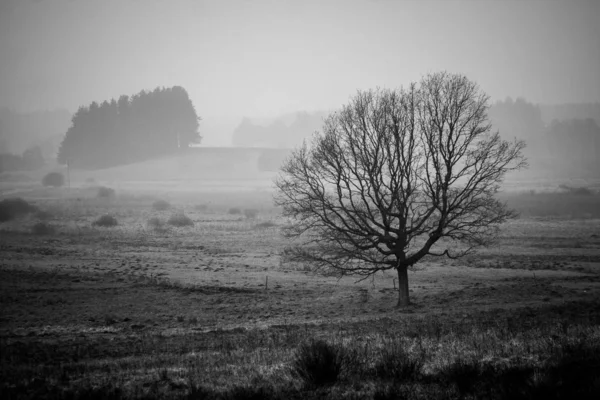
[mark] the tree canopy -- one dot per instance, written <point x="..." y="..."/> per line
<point x="143" y="126"/>
<point x="398" y="175"/>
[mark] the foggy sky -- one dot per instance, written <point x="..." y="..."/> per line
<point x="264" y="58"/>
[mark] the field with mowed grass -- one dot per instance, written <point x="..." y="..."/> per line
<point x="109" y="292"/>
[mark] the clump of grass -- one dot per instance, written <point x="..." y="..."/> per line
<point x="54" y="179"/>
<point x="43" y="228"/>
<point x="265" y="225"/>
<point x="250" y="213"/>
<point x="234" y="211"/>
<point x="161" y="205"/>
<point x="318" y="363"/>
<point x="157" y="224"/>
<point x="105" y="221"/>
<point x="105" y="192"/>
<point x="110" y="319"/>
<point x="180" y="220"/>
<point x="14" y="208"/>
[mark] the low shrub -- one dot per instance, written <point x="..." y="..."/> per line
<point x="14" y="208"/>
<point x="105" y="192"/>
<point x="54" y="179"/>
<point x="318" y="363"/>
<point x="105" y="221"/>
<point x="265" y="225"/>
<point x="180" y="219"/>
<point x="42" y="228"/>
<point x="234" y="211"/>
<point x="157" y="224"/>
<point x="161" y="205"/>
<point x="250" y="213"/>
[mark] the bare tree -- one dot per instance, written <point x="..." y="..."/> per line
<point x="397" y="175"/>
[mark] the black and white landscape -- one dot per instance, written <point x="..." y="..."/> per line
<point x="367" y="199"/>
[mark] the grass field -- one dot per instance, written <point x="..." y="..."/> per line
<point x="145" y="309"/>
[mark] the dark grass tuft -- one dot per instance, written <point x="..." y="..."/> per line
<point x="250" y="213"/>
<point x="15" y="208"/>
<point x="318" y="363"/>
<point x="265" y="225"/>
<point x="180" y="220"/>
<point x="157" y="224"/>
<point x="234" y="211"/>
<point x="161" y="205"/>
<point x="105" y="192"/>
<point x="105" y="221"/>
<point x="43" y="228"/>
<point x="54" y="179"/>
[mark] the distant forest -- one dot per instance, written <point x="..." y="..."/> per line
<point x="562" y="140"/>
<point x="28" y="140"/>
<point x="143" y="126"/>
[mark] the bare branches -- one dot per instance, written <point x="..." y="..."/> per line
<point x="395" y="171"/>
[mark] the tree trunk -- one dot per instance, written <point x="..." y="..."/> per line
<point x="403" y="300"/>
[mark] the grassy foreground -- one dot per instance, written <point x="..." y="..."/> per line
<point x="547" y="353"/>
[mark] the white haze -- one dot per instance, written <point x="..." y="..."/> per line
<point x="264" y="58"/>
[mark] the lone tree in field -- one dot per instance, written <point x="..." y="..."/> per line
<point x="397" y="175"/>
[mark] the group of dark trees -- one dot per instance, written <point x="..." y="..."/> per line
<point x="130" y="129"/>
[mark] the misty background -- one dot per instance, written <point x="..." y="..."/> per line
<point x="264" y="74"/>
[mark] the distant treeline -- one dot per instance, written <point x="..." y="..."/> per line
<point x="562" y="140"/>
<point x="131" y="129"/>
<point x="22" y="131"/>
<point x="558" y="143"/>
<point x="30" y="160"/>
<point x="278" y="133"/>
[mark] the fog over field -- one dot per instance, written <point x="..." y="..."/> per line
<point x="286" y="199"/>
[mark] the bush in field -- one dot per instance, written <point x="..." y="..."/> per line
<point x="234" y="211"/>
<point x="318" y="363"/>
<point x="161" y="205"/>
<point x="55" y="179"/>
<point x="265" y="225"/>
<point x="105" y="221"/>
<point x="157" y="224"/>
<point x="105" y="192"/>
<point x="180" y="219"/>
<point x="42" y="228"/>
<point x="250" y="213"/>
<point x="14" y="208"/>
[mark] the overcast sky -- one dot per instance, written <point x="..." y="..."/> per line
<point x="264" y="58"/>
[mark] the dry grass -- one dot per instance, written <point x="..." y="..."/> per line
<point x="213" y="310"/>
